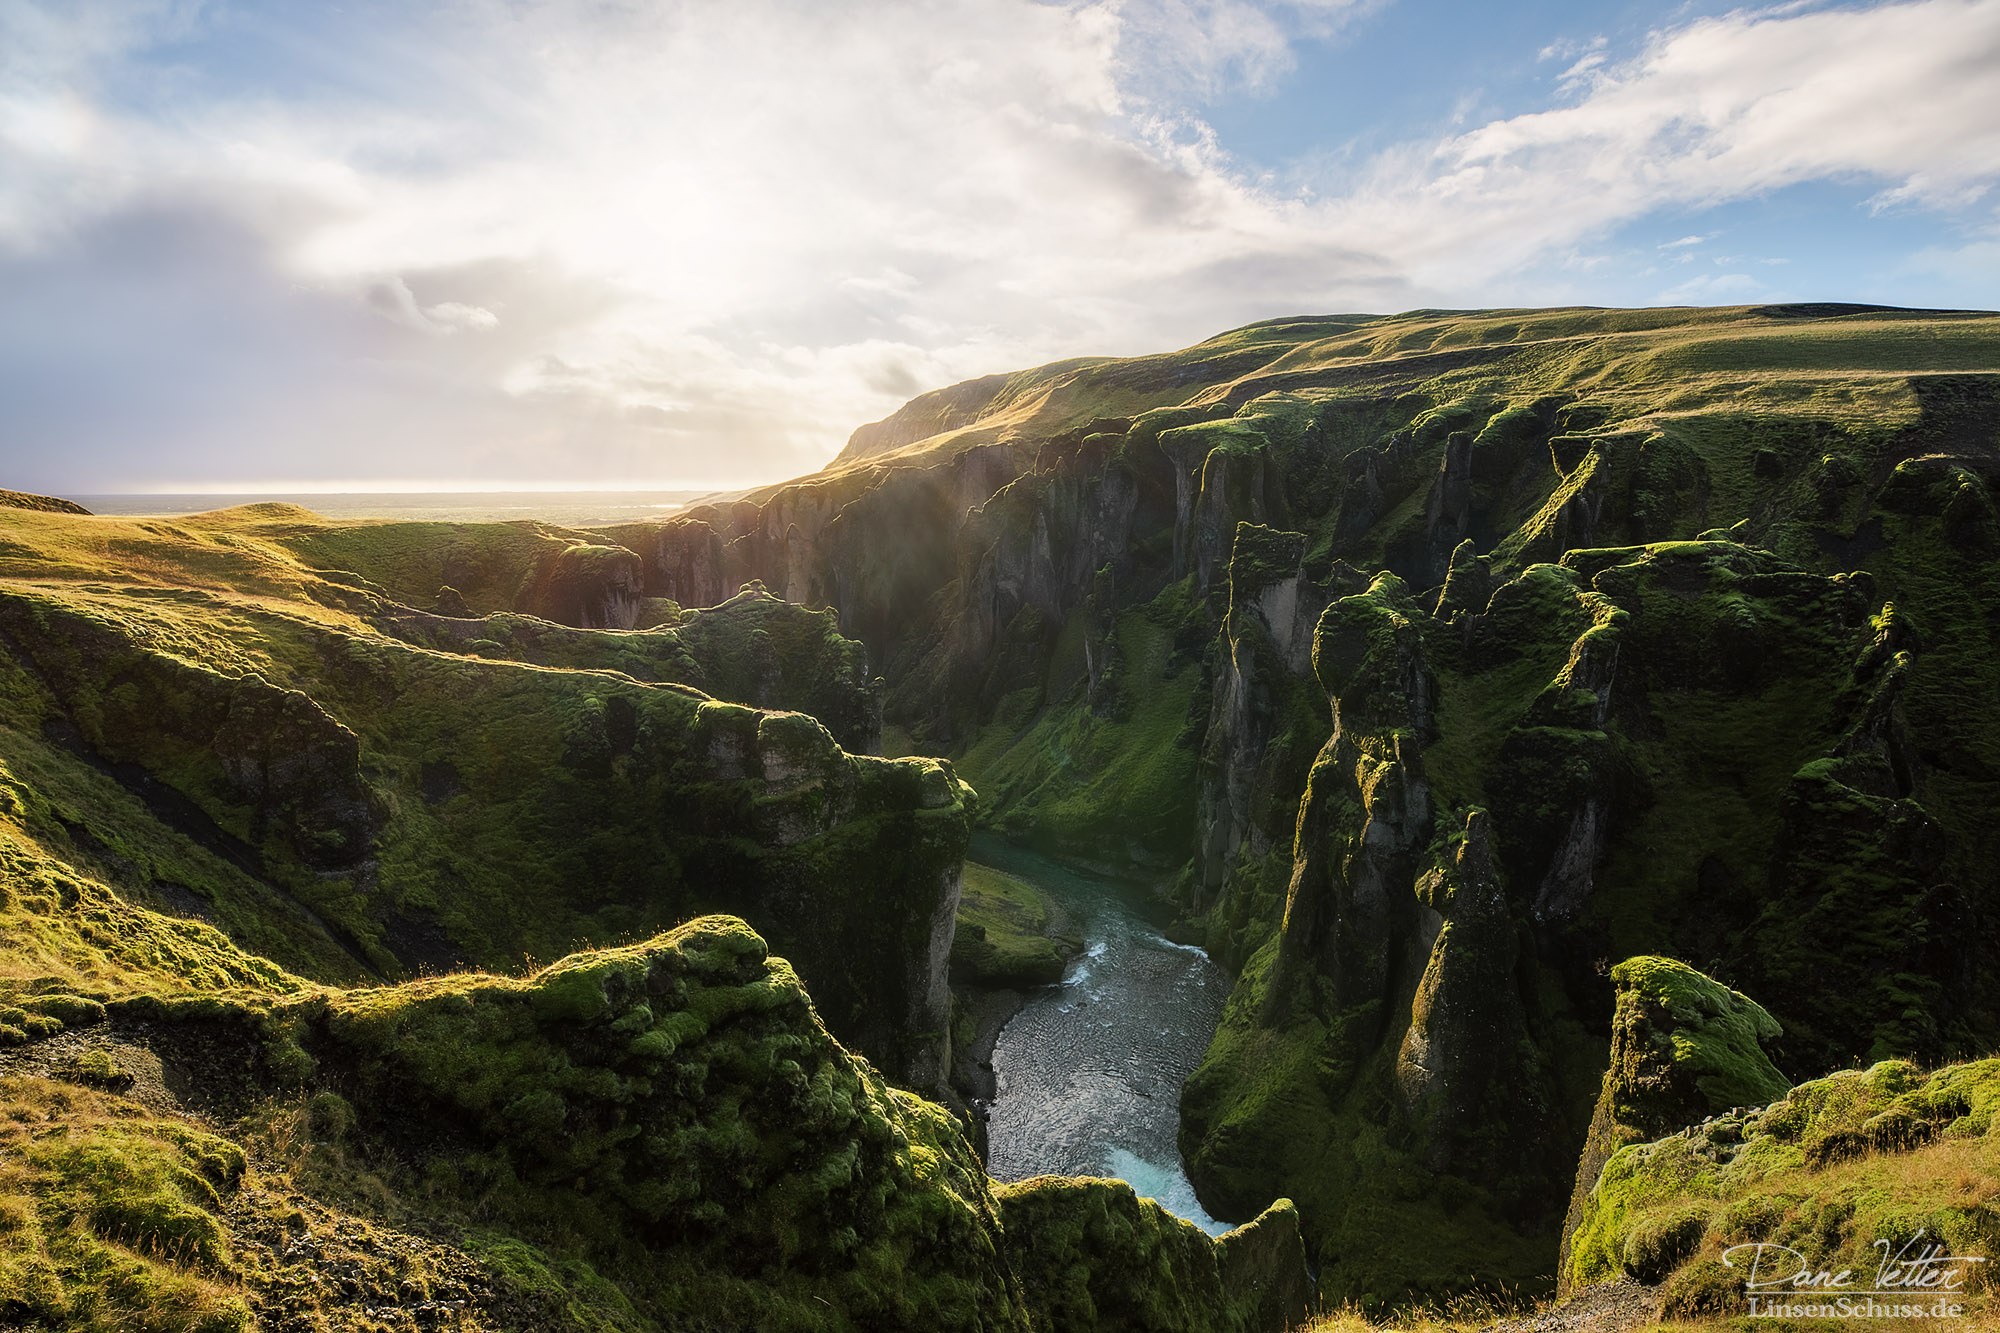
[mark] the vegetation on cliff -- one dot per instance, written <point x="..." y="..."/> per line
<point x="1434" y="664"/>
<point x="1701" y="1153"/>
<point x="1008" y="933"/>
<point x="200" y="718"/>
<point x="240" y="792"/>
<point x="1447" y="654"/>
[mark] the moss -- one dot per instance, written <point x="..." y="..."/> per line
<point x="84" y="818"/>
<point x="68" y="934"/>
<point x="490" y="565"/>
<point x="1003" y="936"/>
<point x="1663" y="1243"/>
<point x="1671" y="1016"/>
<point x="1670" y="1209"/>
<point x="684" y="1090"/>
<point x="1097" y="1256"/>
<point x="113" y="1218"/>
<point x="1683" y="1049"/>
<point x="564" y="1293"/>
<point x="1261" y="556"/>
<point x="97" y="1069"/>
<point x="675" y="1115"/>
<point x="1271" y="1110"/>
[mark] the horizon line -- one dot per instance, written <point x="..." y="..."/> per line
<point x="379" y="489"/>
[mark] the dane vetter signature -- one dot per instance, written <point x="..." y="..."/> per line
<point x="1780" y="1269"/>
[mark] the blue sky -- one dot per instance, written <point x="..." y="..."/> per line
<point x="531" y="243"/>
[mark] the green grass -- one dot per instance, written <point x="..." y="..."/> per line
<point x="1003" y="936"/>
<point x="69" y="935"/>
<point x="1079" y="776"/>
<point x="1838" y="1163"/>
<point x="110" y="1219"/>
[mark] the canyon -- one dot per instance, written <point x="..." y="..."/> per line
<point x="1500" y="698"/>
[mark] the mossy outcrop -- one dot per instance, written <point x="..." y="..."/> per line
<point x="1094" y="1255"/>
<point x="1684" y="1049"/>
<point x="1826" y="1176"/>
<point x="1673" y="612"/>
<point x="679" y="1098"/>
<point x="1008" y="934"/>
<point x="661" y="1136"/>
<point x="229" y="735"/>
<point x="682" y="1095"/>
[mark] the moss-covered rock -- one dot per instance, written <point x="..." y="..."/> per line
<point x="1832" y="1170"/>
<point x="1095" y="1256"/>
<point x="1684" y="1049"/>
<point x="683" y="1094"/>
<point x="677" y="1109"/>
<point x="1008" y="933"/>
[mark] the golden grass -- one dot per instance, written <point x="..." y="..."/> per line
<point x="108" y="1216"/>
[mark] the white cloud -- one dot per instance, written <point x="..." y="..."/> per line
<point x="1169" y="49"/>
<point x="1716" y="110"/>
<point x="1571" y="49"/>
<point x="687" y="242"/>
<point x="1717" y="289"/>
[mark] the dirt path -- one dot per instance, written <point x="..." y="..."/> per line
<point x="1609" y="1307"/>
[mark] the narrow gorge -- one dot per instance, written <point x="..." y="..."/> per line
<point x="1515" y="737"/>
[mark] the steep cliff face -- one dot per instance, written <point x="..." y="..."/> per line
<point x="658" y="1136"/>
<point x="1707" y="1169"/>
<point x="1455" y="885"/>
<point x="1465" y="655"/>
<point x="361" y="789"/>
<point x="1265" y="723"/>
<point x="1683" y="1051"/>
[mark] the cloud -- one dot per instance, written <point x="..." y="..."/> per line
<point x="1169" y="50"/>
<point x="1716" y="110"/>
<point x="1717" y="288"/>
<point x="785" y="218"/>
<point x="526" y="241"/>
<point x="392" y="299"/>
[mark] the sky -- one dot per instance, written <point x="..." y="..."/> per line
<point x="545" y="244"/>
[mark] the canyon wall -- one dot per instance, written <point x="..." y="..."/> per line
<point x="1434" y="665"/>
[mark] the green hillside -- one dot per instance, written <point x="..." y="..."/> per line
<point x="1436" y="663"/>
<point x="1571" y="728"/>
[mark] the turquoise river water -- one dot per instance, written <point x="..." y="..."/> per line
<point x="1089" y="1073"/>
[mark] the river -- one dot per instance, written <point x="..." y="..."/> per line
<point x="1088" y="1074"/>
